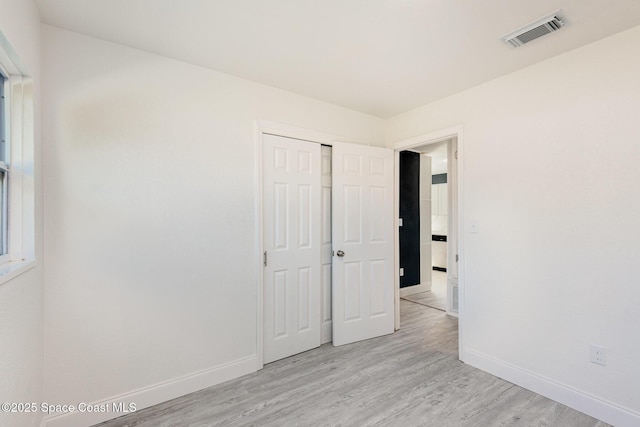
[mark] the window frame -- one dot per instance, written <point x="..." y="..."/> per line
<point x="17" y="209"/>
<point x="5" y="121"/>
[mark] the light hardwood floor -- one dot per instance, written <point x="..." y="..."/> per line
<point x="410" y="378"/>
<point x="437" y="296"/>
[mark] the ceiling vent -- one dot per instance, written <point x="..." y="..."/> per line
<point x="538" y="28"/>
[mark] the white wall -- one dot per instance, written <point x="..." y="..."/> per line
<point x="552" y="177"/>
<point x="21" y="300"/>
<point x="150" y="219"/>
<point x="426" y="235"/>
<point x="150" y="215"/>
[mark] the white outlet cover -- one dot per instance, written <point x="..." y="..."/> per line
<point x="598" y="354"/>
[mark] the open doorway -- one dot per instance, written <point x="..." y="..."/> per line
<point x="424" y="208"/>
<point x="450" y="203"/>
<point x="423" y="231"/>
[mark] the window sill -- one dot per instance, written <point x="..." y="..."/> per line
<point x="13" y="269"/>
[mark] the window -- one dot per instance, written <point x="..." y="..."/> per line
<point x="17" y="182"/>
<point x="4" y="170"/>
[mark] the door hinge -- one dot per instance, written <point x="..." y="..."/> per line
<point x="457" y="257"/>
<point x="265" y="258"/>
<point x="456" y="154"/>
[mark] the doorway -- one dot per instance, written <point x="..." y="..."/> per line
<point x="451" y="139"/>
<point x="424" y="225"/>
<point x="437" y="284"/>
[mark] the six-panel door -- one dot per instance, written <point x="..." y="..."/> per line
<point x="320" y="201"/>
<point x="363" y="293"/>
<point x="293" y="243"/>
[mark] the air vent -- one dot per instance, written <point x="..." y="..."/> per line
<point x="538" y="28"/>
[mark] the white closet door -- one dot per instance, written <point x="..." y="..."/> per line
<point x="293" y="243"/>
<point x="326" y="245"/>
<point x="363" y="293"/>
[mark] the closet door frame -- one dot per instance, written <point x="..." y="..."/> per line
<point x="271" y="128"/>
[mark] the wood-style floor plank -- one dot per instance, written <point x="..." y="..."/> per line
<point x="437" y="296"/>
<point x="409" y="378"/>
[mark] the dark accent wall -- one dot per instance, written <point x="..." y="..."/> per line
<point x="409" y="233"/>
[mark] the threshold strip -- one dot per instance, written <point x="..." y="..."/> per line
<point x="425" y="305"/>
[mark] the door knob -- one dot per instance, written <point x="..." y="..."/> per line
<point x="340" y="253"/>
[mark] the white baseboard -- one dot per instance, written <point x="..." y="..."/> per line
<point x="415" y="289"/>
<point x="579" y="400"/>
<point x="154" y="394"/>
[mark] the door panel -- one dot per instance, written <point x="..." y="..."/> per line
<point x="363" y="294"/>
<point x="352" y="290"/>
<point x="293" y="242"/>
<point x="377" y="307"/>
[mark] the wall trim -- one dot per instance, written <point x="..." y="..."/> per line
<point x="154" y="394"/>
<point x="579" y="400"/>
<point x="279" y="129"/>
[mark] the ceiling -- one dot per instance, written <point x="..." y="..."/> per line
<point x="381" y="57"/>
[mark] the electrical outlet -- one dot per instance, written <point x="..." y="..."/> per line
<point x="401" y="272"/>
<point x="598" y="354"/>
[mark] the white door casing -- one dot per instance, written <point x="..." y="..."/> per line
<point x="292" y="243"/>
<point x="363" y="278"/>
